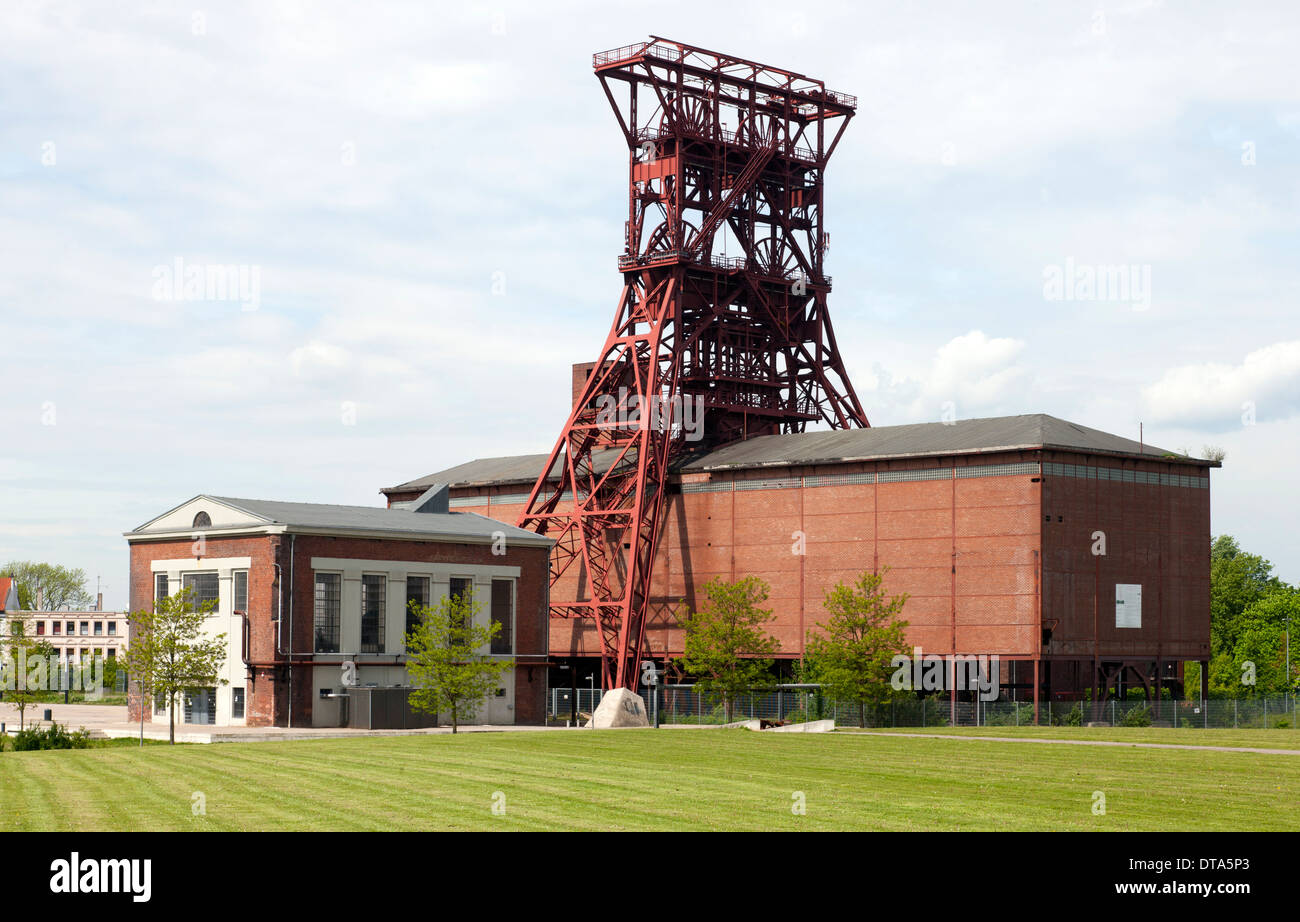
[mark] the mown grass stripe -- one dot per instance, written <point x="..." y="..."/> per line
<point x="647" y="780"/>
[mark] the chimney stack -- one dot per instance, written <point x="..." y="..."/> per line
<point x="99" y="602"/>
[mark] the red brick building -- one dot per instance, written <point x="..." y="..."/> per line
<point x="1078" y="557"/>
<point x="303" y="589"/>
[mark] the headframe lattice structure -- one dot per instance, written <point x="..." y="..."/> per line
<point x="723" y="312"/>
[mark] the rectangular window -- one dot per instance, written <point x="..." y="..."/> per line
<point x="417" y="593"/>
<point x="85" y="628"/>
<point x="112" y="654"/>
<point x="462" y="589"/>
<point x="58" y="628"/>
<point x="99" y="628"/>
<point x="71" y="628"/>
<point x="503" y="605"/>
<point x="204" y="588"/>
<point x="326" y="618"/>
<point x="159" y="586"/>
<point x="372" y="613"/>
<point x="236" y="703"/>
<point x="241" y="590"/>
<point x="112" y="629"/>
<point x="40" y="628"/>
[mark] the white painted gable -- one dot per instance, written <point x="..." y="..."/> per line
<point x="182" y="517"/>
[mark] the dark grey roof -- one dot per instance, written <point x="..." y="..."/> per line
<point x="325" y="517"/>
<point x="967" y="436"/>
<point x="493" y="471"/>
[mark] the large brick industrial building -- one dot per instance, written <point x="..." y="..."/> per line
<point x="1078" y="557"/>
<point x="303" y="588"/>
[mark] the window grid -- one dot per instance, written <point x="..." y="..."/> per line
<point x="372" y="613"/>
<point x="1052" y="468"/>
<point x="204" y="587"/>
<point x="462" y="588"/>
<point x="326" y="615"/>
<point x="417" y="591"/>
<point x="503" y="597"/>
<point x="241" y="590"/>
<point x="706" y="488"/>
<point x="929" y="473"/>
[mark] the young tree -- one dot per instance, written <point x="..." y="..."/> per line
<point x="851" y="655"/>
<point x="170" y="652"/>
<point x="726" y="646"/>
<point x="57" y="587"/>
<point x="24" y="653"/>
<point x="444" y="662"/>
<point x="1237" y="581"/>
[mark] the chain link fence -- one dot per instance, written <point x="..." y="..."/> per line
<point x="684" y="704"/>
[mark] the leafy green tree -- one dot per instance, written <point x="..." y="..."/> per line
<point x="1259" y="652"/>
<point x="170" y="652"/>
<point x="849" y="654"/>
<point x="57" y="587"/>
<point x="22" y="650"/>
<point x="726" y="646"/>
<point x="1237" y="581"/>
<point x="445" y="662"/>
<point x="1249" y="606"/>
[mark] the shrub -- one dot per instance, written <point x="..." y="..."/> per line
<point x="1071" y="718"/>
<point x="52" y="737"/>
<point x="1136" y="717"/>
<point x="937" y="711"/>
<point x="1020" y="715"/>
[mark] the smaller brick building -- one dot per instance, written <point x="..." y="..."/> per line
<point x="303" y="589"/>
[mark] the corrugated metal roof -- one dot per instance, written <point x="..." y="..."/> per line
<point x="370" y="519"/>
<point x="967" y="436"/>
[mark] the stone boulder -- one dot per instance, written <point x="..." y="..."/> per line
<point x="619" y="708"/>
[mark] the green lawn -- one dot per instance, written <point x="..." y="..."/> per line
<point x="646" y="779"/>
<point x="1258" y="739"/>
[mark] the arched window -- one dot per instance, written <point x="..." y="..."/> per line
<point x="202" y="520"/>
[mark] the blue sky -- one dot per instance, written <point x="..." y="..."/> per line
<point x="382" y="165"/>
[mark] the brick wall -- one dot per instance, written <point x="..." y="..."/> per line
<point x="964" y="547"/>
<point x="1158" y="536"/>
<point x="268" y="688"/>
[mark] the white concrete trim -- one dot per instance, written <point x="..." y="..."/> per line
<point x="191" y="564"/>
<point x="403" y="568"/>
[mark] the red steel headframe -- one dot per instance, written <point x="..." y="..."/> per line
<point x="722" y="331"/>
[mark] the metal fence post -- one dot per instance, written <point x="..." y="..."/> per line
<point x="1234" y="713"/>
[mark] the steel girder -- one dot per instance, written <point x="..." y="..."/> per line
<point x="726" y="156"/>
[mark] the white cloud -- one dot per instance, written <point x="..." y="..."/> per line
<point x="319" y="360"/>
<point x="477" y="149"/>
<point x="970" y="375"/>
<point x="1265" y="386"/>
